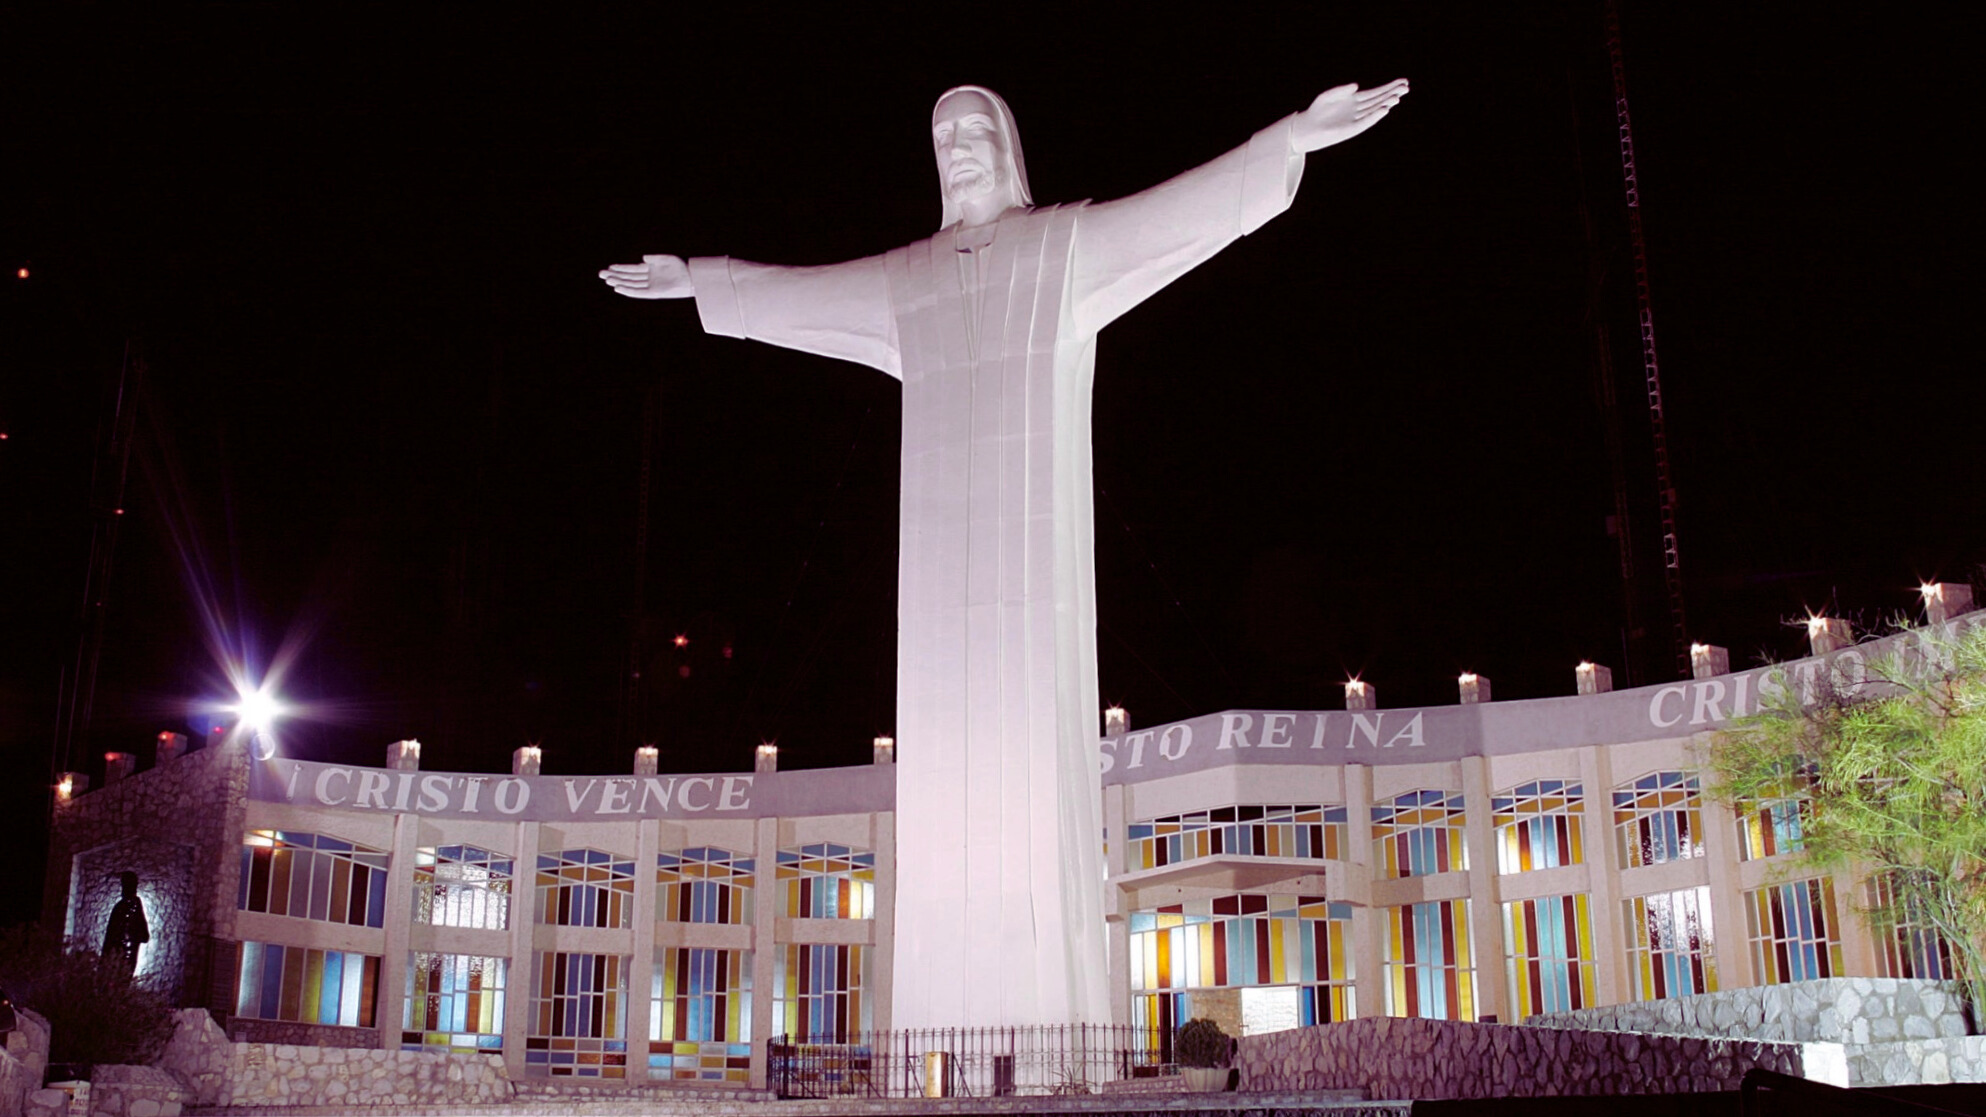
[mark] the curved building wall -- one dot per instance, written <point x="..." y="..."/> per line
<point x="1267" y="868"/>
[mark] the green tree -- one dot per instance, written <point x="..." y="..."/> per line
<point x="1891" y="763"/>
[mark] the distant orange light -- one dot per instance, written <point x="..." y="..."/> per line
<point x="20" y="273"/>
<point x="120" y="512"/>
<point x="682" y="641"/>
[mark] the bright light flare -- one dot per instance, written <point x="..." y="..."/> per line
<point x="1932" y="591"/>
<point x="1816" y="624"/>
<point x="258" y="709"/>
<point x="1466" y="678"/>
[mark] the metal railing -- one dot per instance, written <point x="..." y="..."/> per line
<point x="964" y="1062"/>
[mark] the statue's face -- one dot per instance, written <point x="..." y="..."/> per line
<point x="971" y="149"/>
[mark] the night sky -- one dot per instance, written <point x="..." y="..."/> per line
<point x="393" y="430"/>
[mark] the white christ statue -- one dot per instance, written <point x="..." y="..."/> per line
<point x="991" y="326"/>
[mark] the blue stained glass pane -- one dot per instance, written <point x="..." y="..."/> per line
<point x="328" y="993"/>
<point x="375" y="910"/>
<point x="272" y="982"/>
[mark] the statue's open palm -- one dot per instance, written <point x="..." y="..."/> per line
<point x="656" y="277"/>
<point x="1342" y="112"/>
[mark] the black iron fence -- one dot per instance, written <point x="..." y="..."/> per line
<point x="965" y="1062"/>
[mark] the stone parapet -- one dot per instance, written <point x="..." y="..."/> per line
<point x="1389" y="1057"/>
<point x="199" y="1055"/>
<point x="244" y="1029"/>
<point x="1926" y="1062"/>
<point x="287" y="1075"/>
<point x="1851" y="1010"/>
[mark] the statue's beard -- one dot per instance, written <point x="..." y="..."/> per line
<point x="970" y="188"/>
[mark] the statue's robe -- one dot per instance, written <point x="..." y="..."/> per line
<point x="999" y="915"/>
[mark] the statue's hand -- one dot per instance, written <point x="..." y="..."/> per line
<point x="1341" y="113"/>
<point x="656" y="277"/>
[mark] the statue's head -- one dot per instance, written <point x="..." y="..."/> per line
<point x="128" y="881"/>
<point x="978" y="151"/>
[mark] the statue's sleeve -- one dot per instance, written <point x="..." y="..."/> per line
<point x="1129" y="248"/>
<point x="837" y="310"/>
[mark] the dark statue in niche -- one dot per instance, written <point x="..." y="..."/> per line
<point x="126" y="931"/>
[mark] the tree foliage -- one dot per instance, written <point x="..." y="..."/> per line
<point x="96" y="1013"/>
<point x="1892" y="762"/>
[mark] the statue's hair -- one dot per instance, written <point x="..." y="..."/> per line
<point x="1016" y="168"/>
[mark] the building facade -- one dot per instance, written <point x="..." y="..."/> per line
<point x="1269" y="869"/>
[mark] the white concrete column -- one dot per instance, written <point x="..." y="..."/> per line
<point x="641" y="967"/>
<point x="882" y="839"/>
<point x="1727" y="912"/>
<point x="1485" y="912"/>
<point x="1592" y="678"/>
<point x="518" y="978"/>
<point x="391" y="998"/>
<point x="1603" y="899"/>
<point x="1368" y="922"/>
<point x="765" y="920"/>
<point x="1706" y="660"/>
<point x="1945" y="600"/>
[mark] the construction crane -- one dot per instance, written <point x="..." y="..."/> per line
<point x="1665" y="488"/>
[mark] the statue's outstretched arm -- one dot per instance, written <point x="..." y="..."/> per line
<point x="1342" y="112"/>
<point x="656" y="277"/>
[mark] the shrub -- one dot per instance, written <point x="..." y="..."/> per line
<point x="1201" y="1043"/>
<point x="95" y="1012"/>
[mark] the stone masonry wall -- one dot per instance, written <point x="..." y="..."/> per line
<point x="262" y="1074"/>
<point x="1390" y="1057"/>
<point x="178" y="826"/>
<point x="23" y="1058"/>
<point x="245" y="1030"/>
<point x="1854" y="1010"/>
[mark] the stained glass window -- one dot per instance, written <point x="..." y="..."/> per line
<point x="1550" y="945"/>
<point x="703" y="885"/>
<point x="1658" y="818"/>
<point x="307" y="985"/>
<point x="1792" y="931"/>
<point x="828" y="881"/>
<point x="454" y="1003"/>
<point x="1247" y="940"/>
<point x="312" y="876"/>
<point x="1538" y="825"/>
<point x="577" y="1026"/>
<point x="822" y="992"/>
<point x="1429" y="965"/>
<point x="1670" y="950"/>
<point x="700" y="1015"/>
<point x="585" y="888"/>
<point x="462" y="886"/>
<point x="1911" y="948"/>
<point x="1769" y="827"/>
<point x="1418" y="834"/>
<point x="1247" y="831"/>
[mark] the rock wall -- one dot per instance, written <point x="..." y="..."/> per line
<point x="199" y="1055"/>
<point x="1856" y="1010"/>
<point x="119" y="1091"/>
<point x="188" y="882"/>
<point x="22" y="1060"/>
<point x="243" y="1029"/>
<point x="263" y="1074"/>
<point x="1389" y="1057"/>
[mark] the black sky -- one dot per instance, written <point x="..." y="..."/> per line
<point x="392" y="417"/>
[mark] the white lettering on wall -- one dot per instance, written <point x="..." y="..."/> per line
<point x="1366" y="727"/>
<point x="683" y="797"/>
<point x="575" y="796"/>
<point x="1174" y="742"/>
<point x="1234" y="727"/>
<point x="1411" y="734"/>
<point x="1138" y="741"/>
<point x="1276" y="730"/>
<point x="1317" y="737"/>
<point x="1655" y="706"/>
<point x="434" y="792"/>
<point x="372" y="790"/>
<point x="618" y="798"/>
<point x="658" y="790"/>
<point x="473" y="791"/>
<point x="1709" y="693"/>
<point x="512" y="795"/>
<point x="323" y="787"/>
<point x="736" y="795"/>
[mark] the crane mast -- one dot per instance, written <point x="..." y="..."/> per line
<point x="1672" y="573"/>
